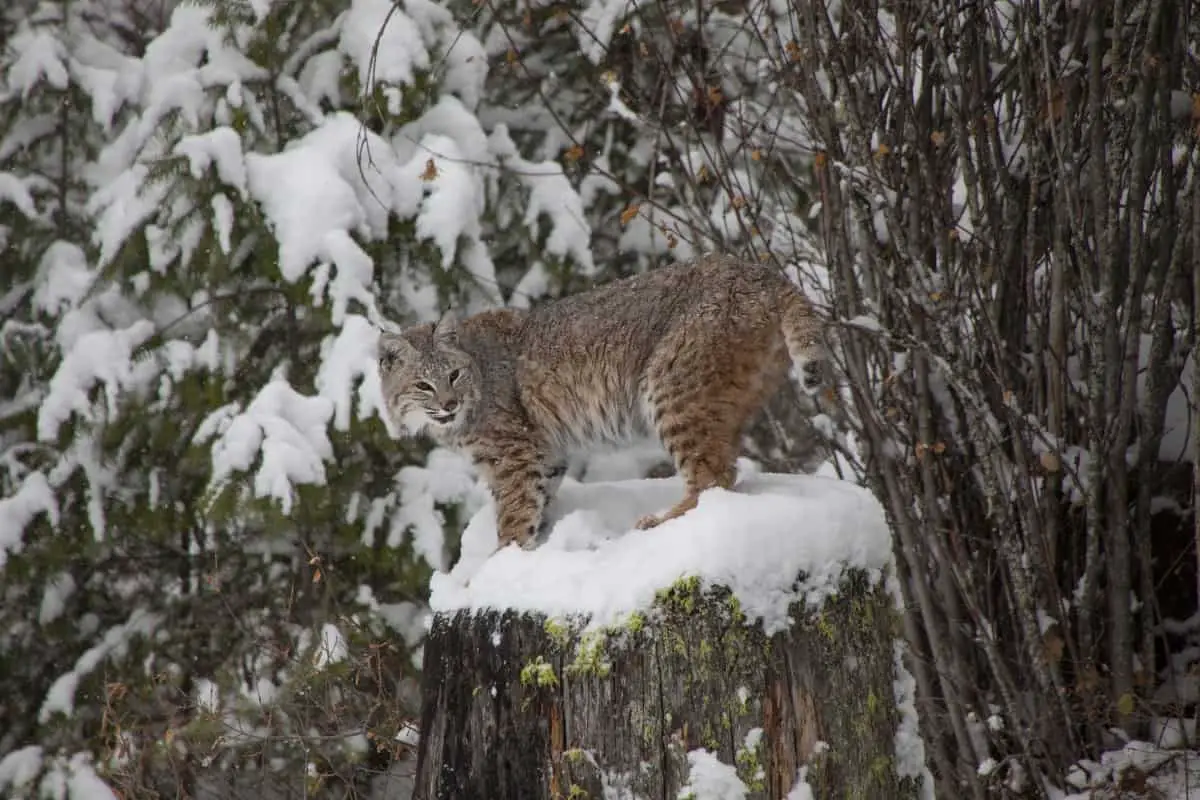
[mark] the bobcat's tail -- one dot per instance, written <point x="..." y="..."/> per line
<point x="802" y="332"/>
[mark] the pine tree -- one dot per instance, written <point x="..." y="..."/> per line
<point x="214" y="550"/>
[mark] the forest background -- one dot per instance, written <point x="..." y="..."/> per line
<point x="214" y="554"/>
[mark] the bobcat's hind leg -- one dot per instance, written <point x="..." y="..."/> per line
<point x="691" y="499"/>
<point x="704" y="385"/>
<point x="704" y="451"/>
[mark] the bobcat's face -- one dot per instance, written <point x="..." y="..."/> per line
<point x="427" y="380"/>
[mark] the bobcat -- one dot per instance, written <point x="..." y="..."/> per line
<point x="689" y="351"/>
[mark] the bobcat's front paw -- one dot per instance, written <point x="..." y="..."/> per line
<point x="522" y="538"/>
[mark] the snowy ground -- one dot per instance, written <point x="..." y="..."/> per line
<point x="756" y="540"/>
<point x="1142" y="769"/>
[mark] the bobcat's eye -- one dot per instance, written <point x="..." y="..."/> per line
<point x="424" y="387"/>
<point x="454" y="376"/>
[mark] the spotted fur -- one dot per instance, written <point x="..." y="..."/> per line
<point x="687" y="352"/>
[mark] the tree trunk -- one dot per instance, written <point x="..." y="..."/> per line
<point x="518" y="707"/>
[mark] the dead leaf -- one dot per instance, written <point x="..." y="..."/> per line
<point x="629" y="213"/>
<point x="431" y="171"/>
<point x="574" y="153"/>
<point x="1052" y="647"/>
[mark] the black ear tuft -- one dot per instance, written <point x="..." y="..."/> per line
<point x="446" y="330"/>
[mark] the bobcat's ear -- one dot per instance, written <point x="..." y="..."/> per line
<point x="394" y="350"/>
<point x="446" y="331"/>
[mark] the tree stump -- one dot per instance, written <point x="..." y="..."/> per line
<point x="518" y="705"/>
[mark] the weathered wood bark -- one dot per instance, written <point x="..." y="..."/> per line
<point x="520" y="708"/>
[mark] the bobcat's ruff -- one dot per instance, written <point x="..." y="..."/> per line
<point x="689" y="352"/>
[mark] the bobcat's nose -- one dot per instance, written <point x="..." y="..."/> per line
<point x="450" y="406"/>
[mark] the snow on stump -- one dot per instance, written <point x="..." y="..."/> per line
<point x="749" y="649"/>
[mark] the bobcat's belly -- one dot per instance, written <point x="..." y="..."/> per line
<point x="604" y="426"/>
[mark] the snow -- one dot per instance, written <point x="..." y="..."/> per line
<point x="19" y="767"/>
<point x="330" y="648"/>
<point x="13" y="190"/>
<point x="1168" y="774"/>
<point x="54" y="599"/>
<point x="223" y="214"/>
<point x="283" y="430"/>
<point x="756" y="540"/>
<point x="60" y="698"/>
<point x="597" y="23"/>
<point x="451" y="202"/>
<point x="313" y="197"/>
<point x="221" y="147"/>
<point x="405" y="617"/>
<point x="34" y="497"/>
<point x="107" y="76"/>
<point x="119" y="207"/>
<point x="910" y="747"/>
<point x="99" y="357"/>
<point x="348" y="357"/>
<point x="1171" y="733"/>
<point x="801" y="790"/>
<point x="74" y="778"/>
<point x="552" y="195"/>
<point x="181" y="62"/>
<point x="208" y="695"/>
<point x="63" y="278"/>
<point x="709" y="778"/>
<point x="401" y="52"/>
<point x="1179" y="427"/>
<point x="40" y="55"/>
<point x="446" y="477"/>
